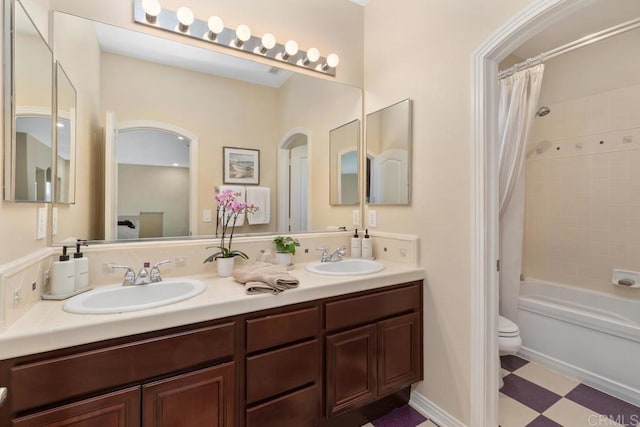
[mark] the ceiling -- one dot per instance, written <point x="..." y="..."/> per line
<point x="596" y="16"/>
<point x="146" y="47"/>
<point x="361" y="2"/>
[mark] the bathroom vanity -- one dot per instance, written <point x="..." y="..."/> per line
<point x="337" y="360"/>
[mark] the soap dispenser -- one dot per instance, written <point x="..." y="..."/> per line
<point x="356" y="248"/>
<point x="81" y="268"/>
<point x="367" y="246"/>
<point x="63" y="275"/>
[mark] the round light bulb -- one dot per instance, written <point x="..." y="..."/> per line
<point x="243" y="33"/>
<point x="215" y="24"/>
<point x="151" y="7"/>
<point x="185" y="16"/>
<point x="268" y="41"/>
<point x="313" y="54"/>
<point x="291" y="47"/>
<point x="333" y="60"/>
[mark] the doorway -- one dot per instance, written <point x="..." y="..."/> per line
<point x="293" y="186"/>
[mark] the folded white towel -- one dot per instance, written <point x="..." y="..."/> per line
<point x="240" y="192"/>
<point x="260" y="197"/>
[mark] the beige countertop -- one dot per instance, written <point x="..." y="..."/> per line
<point x="47" y="327"/>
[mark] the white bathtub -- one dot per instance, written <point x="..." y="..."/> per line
<point x="591" y="336"/>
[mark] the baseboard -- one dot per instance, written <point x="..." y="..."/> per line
<point x="603" y="384"/>
<point x="433" y="412"/>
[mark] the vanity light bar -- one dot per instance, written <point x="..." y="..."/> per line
<point x="183" y="22"/>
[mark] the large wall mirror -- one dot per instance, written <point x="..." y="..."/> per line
<point x="28" y="106"/>
<point x="344" y="143"/>
<point x="388" y="134"/>
<point x="168" y="108"/>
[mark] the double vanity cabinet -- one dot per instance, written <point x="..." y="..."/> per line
<point x="337" y="361"/>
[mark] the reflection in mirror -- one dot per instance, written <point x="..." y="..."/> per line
<point x="153" y="184"/>
<point x="66" y="137"/>
<point x="389" y="155"/>
<point x="343" y="163"/>
<point x="28" y="120"/>
<point x="220" y="100"/>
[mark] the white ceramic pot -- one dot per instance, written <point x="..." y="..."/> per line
<point x="283" y="258"/>
<point x="225" y="266"/>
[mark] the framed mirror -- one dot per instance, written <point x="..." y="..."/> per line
<point x="28" y="107"/>
<point x="388" y="133"/>
<point x="195" y="101"/>
<point x="65" y="137"/>
<point x="344" y="144"/>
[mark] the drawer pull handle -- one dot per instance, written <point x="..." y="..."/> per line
<point x="3" y="395"/>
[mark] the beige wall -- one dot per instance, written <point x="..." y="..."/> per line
<point x="156" y="189"/>
<point x="425" y="53"/>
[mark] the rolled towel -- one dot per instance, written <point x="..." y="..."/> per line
<point x="257" y="276"/>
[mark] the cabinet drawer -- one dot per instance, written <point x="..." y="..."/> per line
<point x="51" y="380"/>
<point x="298" y="409"/>
<point x="272" y="331"/>
<point x="276" y="372"/>
<point x="369" y="308"/>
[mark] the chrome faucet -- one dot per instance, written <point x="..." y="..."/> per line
<point x="332" y="257"/>
<point x="143" y="277"/>
<point x="155" y="271"/>
<point x="129" y="275"/>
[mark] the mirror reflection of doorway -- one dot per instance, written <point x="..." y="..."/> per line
<point x="153" y="184"/>
<point x="295" y="175"/>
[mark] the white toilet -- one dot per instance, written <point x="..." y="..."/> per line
<point x="509" y="341"/>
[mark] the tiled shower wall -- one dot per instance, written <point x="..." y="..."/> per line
<point x="583" y="192"/>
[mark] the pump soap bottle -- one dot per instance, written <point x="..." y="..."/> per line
<point x="356" y="248"/>
<point x="367" y="246"/>
<point x="81" y="268"/>
<point x="63" y="275"/>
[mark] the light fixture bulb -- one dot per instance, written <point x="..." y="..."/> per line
<point x="268" y="41"/>
<point x="60" y="124"/>
<point x="243" y="33"/>
<point x="291" y="47"/>
<point x="313" y="55"/>
<point x="185" y="16"/>
<point x="332" y="60"/>
<point x="151" y="9"/>
<point x="215" y="25"/>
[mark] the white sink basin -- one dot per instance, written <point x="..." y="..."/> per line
<point x="119" y="299"/>
<point x="346" y="267"/>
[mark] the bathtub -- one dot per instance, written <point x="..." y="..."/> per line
<point x="588" y="335"/>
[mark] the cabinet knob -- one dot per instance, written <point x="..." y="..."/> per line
<point x="3" y="395"/>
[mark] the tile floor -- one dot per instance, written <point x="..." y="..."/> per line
<point x="534" y="396"/>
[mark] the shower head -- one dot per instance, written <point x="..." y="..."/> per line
<point x="543" y="111"/>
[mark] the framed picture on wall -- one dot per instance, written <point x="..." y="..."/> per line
<point x="241" y="165"/>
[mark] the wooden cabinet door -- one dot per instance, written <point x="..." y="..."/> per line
<point x="196" y="399"/>
<point x="351" y="369"/>
<point x="399" y="352"/>
<point x="117" y="409"/>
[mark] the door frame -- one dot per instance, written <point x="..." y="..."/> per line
<point x="485" y="224"/>
<point x="193" y="162"/>
<point x="283" y="177"/>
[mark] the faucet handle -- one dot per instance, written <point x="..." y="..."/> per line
<point x="129" y="275"/>
<point x="155" y="270"/>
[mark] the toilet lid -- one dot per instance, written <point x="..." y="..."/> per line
<point x="506" y="328"/>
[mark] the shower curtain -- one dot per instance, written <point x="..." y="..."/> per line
<point x="516" y="112"/>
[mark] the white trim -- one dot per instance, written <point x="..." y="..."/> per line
<point x="193" y="161"/>
<point x="485" y="225"/>
<point x="283" y="177"/>
<point x="601" y="383"/>
<point x="433" y="412"/>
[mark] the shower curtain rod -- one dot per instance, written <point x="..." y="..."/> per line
<point x="576" y="44"/>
